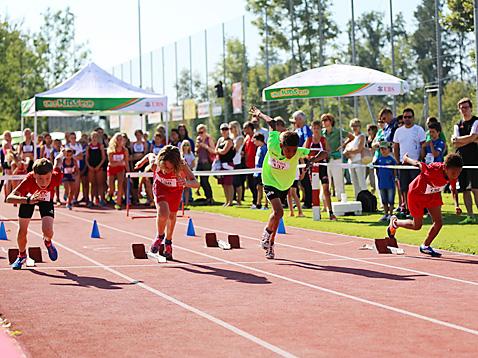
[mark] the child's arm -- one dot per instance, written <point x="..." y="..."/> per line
<point x="150" y="158"/>
<point x="257" y="113"/>
<point x="454" y="194"/>
<point x="189" y="180"/>
<point x="58" y="160"/>
<point x="408" y="160"/>
<point x="321" y="155"/>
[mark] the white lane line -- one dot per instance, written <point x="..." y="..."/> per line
<point x="323" y="289"/>
<point x="197" y="311"/>
<point x="348" y="257"/>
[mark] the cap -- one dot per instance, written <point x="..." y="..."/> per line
<point x="224" y="125"/>
<point x="384" y="144"/>
<point x="292" y="120"/>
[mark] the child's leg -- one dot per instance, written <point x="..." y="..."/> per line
<point x="22" y="234"/>
<point x="121" y="181"/>
<point x="436" y="226"/>
<point x="327" y="199"/>
<point x="413" y="224"/>
<point x="162" y="216"/>
<point x="260" y="193"/>
<point x="297" y="202"/>
<point x="47" y="227"/>
<point x="171" y="225"/>
<point x="111" y="186"/>
<point x="274" y="219"/>
<point x="289" y="201"/>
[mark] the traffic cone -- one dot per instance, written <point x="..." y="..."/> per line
<point x="281" y="228"/>
<point x="191" y="231"/>
<point x="95" y="232"/>
<point x="3" y="232"/>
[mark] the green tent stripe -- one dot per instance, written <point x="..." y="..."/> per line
<point x="313" y="92"/>
<point x="83" y="104"/>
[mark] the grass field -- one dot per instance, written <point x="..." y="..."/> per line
<point x="453" y="236"/>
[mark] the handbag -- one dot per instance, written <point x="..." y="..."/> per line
<point x="366" y="155"/>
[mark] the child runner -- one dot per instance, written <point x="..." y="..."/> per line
<point x="425" y="193"/>
<point x="171" y="176"/>
<point x="386" y="179"/>
<point x="69" y="169"/>
<point x="36" y="189"/>
<point x="293" y="197"/>
<point x="278" y="173"/>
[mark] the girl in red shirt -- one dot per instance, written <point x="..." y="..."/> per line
<point x="425" y="193"/>
<point x="171" y="176"/>
<point x="118" y="164"/>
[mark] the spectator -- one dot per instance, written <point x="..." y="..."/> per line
<point x="258" y="129"/>
<point x="188" y="156"/>
<point x="293" y="197"/>
<point x="372" y="131"/>
<point x="138" y="150"/>
<point x="408" y="138"/>
<point x="225" y="151"/>
<point x="353" y="151"/>
<point x="57" y="148"/>
<point x="249" y="159"/>
<point x="464" y="139"/>
<point x="25" y="150"/>
<point x="46" y="150"/>
<point x="391" y="124"/>
<point x="442" y="135"/>
<point x="7" y="147"/>
<point x="95" y="158"/>
<point x="433" y="149"/>
<point x="318" y="141"/>
<point x="70" y="171"/>
<point x="386" y="180"/>
<point x="238" y="140"/>
<point x="39" y="144"/>
<point x="158" y="143"/>
<point x="261" y="151"/>
<point x="335" y="138"/>
<point x="205" y="152"/>
<point x="78" y="156"/>
<point x="379" y="138"/>
<point x="174" y="138"/>
<point x="84" y="140"/>
<point x="184" y="135"/>
<point x="280" y="124"/>
<point x="118" y="160"/>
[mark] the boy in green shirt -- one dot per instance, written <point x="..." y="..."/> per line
<point x="278" y="173"/>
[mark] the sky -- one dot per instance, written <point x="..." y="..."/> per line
<point x="110" y="27"/>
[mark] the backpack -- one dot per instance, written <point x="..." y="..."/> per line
<point x="368" y="200"/>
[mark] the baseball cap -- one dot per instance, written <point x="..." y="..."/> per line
<point x="224" y="125"/>
<point x="385" y="144"/>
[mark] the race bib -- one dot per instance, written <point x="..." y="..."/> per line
<point x="279" y="165"/>
<point x="434" y="189"/>
<point x="68" y="170"/>
<point x="27" y="148"/>
<point x="168" y="182"/>
<point x="118" y="157"/>
<point x="44" y="195"/>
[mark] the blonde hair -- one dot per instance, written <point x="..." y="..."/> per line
<point x="113" y="143"/>
<point x="355" y="121"/>
<point x="185" y="143"/>
<point x="236" y="126"/>
<point x="201" y="126"/>
<point x="170" y="153"/>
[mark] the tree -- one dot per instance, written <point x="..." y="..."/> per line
<point x="55" y="43"/>
<point x="197" y="92"/>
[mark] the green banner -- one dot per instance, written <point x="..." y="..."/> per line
<point x="83" y="104"/>
<point x="312" y="92"/>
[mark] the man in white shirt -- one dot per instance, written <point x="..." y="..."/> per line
<point x="407" y="139"/>
<point x="465" y="141"/>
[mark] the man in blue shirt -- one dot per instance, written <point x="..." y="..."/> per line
<point x="391" y="124"/>
<point x="386" y="179"/>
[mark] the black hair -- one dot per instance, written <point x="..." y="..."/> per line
<point x="280" y="122"/>
<point x="408" y="109"/>
<point x="248" y="124"/>
<point x="435" y="125"/>
<point x="289" y="139"/>
<point x="259" y="136"/>
<point x="453" y="160"/>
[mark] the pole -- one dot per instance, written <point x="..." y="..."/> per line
<point x="224" y="68"/>
<point x="176" y="68"/>
<point x="191" y="91"/>
<point x="475" y="3"/>
<point x="439" y="65"/>
<point x="162" y="65"/>
<point x="35" y="135"/>
<point x="291" y="14"/>
<point x="353" y="54"/>
<point x="321" y="44"/>
<point x="393" y="55"/>
<point x="139" y="46"/>
<point x="267" y="59"/>
<point x="122" y="79"/>
<point x="151" y="68"/>
<point x="244" y="67"/>
<point x="207" y="71"/>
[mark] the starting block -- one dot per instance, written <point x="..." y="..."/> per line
<point x="35" y="254"/>
<point x="139" y="252"/>
<point x="232" y="242"/>
<point x="211" y="239"/>
<point x="388" y="246"/>
<point x="13" y="254"/>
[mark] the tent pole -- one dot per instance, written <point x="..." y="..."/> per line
<point x="166" y="121"/>
<point x="35" y="136"/>
<point x="22" y="123"/>
<point x="369" y="106"/>
<point x="340" y="128"/>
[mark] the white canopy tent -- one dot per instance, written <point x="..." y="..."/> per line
<point x="93" y="91"/>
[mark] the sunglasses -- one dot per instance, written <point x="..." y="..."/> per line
<point x="224" y="129"/>
<point x="201" y="132"/>
<point x="407" y="117"/>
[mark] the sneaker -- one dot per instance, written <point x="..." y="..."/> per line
<point x="266" y="240"/>
<point x="69" y="206"/>
<point x="89" y="205"/>
<point x="157" y="245"/>
<point x="468" y="220"/>
<point x="117" y="207"/>
<point x="102" y="202"/>
<point x="253" y="206"/>
<point x="17" y="265"/>
<point x="52" y="252"/>
<point x="270" y="252"/>
<point x="332" y="217"/>
<point x="428" y="250"/>
<point x="384" y="218"/>
<point x="392" y="227"/>
<point x="264" y="208"/>
<point x="168" y="251"/>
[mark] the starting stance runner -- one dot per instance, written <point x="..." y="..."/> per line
<point x="38" y="188"/>
<point x="171" y="175"/>
<point x="278" y="173"/>
<point x="425" y="193"/>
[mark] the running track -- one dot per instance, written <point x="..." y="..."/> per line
<point x="320" y="297"/>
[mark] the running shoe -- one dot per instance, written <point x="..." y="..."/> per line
<point x="270" y="252"/>
<point x="266" y="240"/>
<point x="384" y="218"/>
<point x="52" y="252"/>
<point x="157" y="245"/>
<point x="17" y="265"/>
<point x="102" y="202"/>
<point x="168" y="250"/>
<point x="428" y="250"/>
<point x="468" y="220"/>
<point x="69" y="206"/>
<point x="332" y="217"/>
<point x="117" y="207"/>
<point x="392" y="227"/>
<point x="89" y="205"/>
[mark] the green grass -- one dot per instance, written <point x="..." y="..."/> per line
<point x="453" y="236"/>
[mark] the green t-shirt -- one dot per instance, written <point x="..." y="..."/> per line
<point x="441" y="136"/>
<point x="333" y="138"/>
<point x="278" y="171"/>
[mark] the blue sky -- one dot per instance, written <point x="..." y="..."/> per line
<point x="111" y="30"/>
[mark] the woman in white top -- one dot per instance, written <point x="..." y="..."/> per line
<point x="238" y="140"/>
<point x="138" y="150"/>
<point x="353" y="151"/>
<point x="78" y="156"/>
<point x="186" y="152"/>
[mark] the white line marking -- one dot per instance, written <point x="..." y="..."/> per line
<point x="323" y="289"/>
<point x="171" y="299"/>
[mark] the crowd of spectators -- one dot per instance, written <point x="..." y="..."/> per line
<point x="95" y="164"/>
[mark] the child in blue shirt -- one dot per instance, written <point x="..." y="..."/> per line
<point x="386" y="179"/>
<point x="260" y="155"/>
<point x="433" y="150"/>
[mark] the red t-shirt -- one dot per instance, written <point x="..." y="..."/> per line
<point x="250" y="152"/>
<point x="30" y="186"/>
<point x="431" y="180"/>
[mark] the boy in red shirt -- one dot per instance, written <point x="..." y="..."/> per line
<point x="425" y="193"/>
<point x="37" y="188"/>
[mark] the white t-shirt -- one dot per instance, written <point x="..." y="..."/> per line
<point x="410" y="141"/>
<point x="237" y="158"/>
<point x="354" y="144"/>
<point x="474" y="129"/>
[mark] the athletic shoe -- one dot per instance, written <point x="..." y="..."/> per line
<point x="17" y="265"/>
<point x="468" y="220"/>
<point x="69" y="206"/>
<point x="392" y="227"/>
<point x="253" y="207"/>
<point x="52" y="252"/>
<point x="384" y="218"/>
<point x="270" y="252"/>
<point x="265" y="240"/>
<point x="264" y="208"/>
<point x="89" y="205"/>
<point x="157" y="244"/>
<point x="428" y="250"/>
<point x="102" y="202"/>
<point x="168" y="251"/>
<point x="332" y="217"/>
<point x="117" y="207"/>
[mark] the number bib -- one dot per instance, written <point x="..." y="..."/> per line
<point x="277" y="164"/>
<point x="44" y="196"/>
<point x="167" y="182"/>
<point x="434" y="189"/>
<point x="118" y="157"/>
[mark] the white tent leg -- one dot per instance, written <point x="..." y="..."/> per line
<point x="166" y="122"/>
<point x="22" y="124"/>
<point x="35" y="136"/>
<point x="340" y="126"/>
<point x="369" y="106"/>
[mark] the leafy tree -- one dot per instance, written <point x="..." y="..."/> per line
<point x="198" y="92"/>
